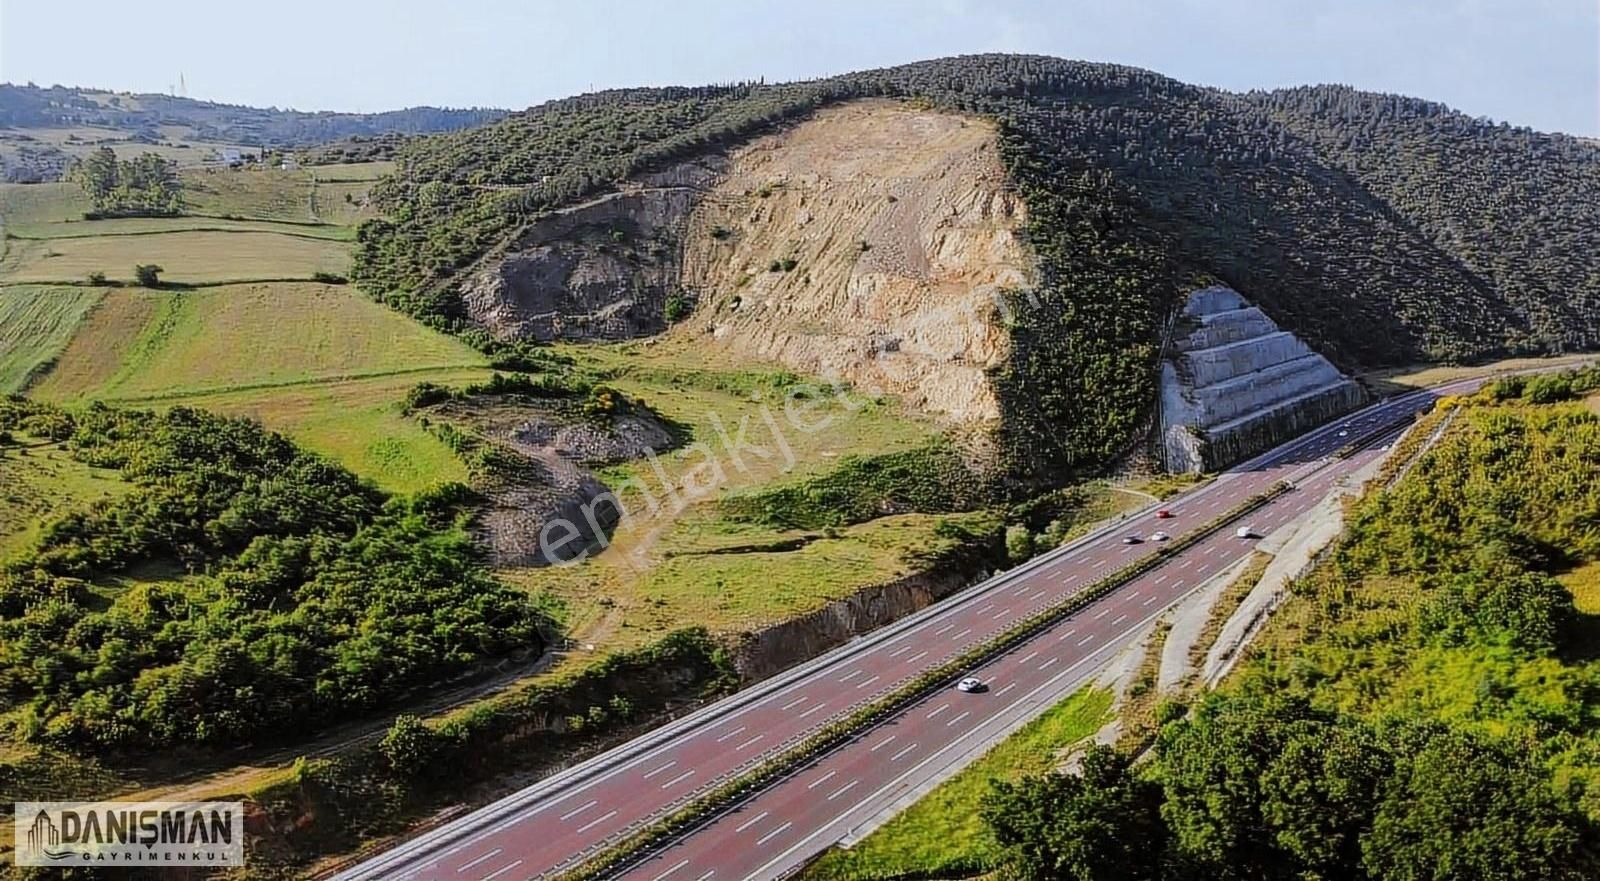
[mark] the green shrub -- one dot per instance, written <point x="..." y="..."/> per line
<point x="148" y="275"/>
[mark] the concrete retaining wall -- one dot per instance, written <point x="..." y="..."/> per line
<point x="1235" y="384"/>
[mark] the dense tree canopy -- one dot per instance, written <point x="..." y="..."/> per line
<point x="241" y="589"/>
<point x="1382" y="229"/>
<point x="1428" y="711"/>
<point x="145" y="186"/>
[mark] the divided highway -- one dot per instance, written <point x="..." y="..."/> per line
<point x="555" y="822"/>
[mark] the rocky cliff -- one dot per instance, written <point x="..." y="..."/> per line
<point x="1233" y="384"/>
<point x="868" y="244"/>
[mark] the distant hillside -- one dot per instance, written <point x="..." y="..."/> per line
<point x="1381" y="229"/>
<point x="50" y="123"/>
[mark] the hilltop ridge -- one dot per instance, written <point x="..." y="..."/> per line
<point x="1380" y="229"/>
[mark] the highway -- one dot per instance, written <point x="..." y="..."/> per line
<point x="553" y="823"/>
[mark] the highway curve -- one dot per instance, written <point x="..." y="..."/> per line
<point x="555" y="822"/>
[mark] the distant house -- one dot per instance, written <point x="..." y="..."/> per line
<point x="289" y="164"/>
<point x="231" y="157"/>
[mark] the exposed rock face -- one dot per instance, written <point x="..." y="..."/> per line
<point x="901" y="234"/>
<point x="552" y="483"/>
<point x="1233" y="384"/>
<point x="895" y="223"/>
<point x="599" y="270"/>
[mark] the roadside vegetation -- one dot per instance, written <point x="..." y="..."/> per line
<point x="239" y="590"/>
<point x="1423" y="706"/>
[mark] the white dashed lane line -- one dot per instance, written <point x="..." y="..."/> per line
<point x="486" y="857"/>
<point x="576" y="811"/>
<point x="752" y="821"/>
<point x="844" y="789"/>
<point x="660" y="769"/>
<point x="504" y="869"/>
<point x="597" y="821"/>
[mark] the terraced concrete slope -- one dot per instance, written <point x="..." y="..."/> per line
<point x="1234" y="384"/>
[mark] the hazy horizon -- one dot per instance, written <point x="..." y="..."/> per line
<point x="1534" y="64"/>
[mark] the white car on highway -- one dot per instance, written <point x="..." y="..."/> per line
<point x="1245" y="532"/>
<point x="970" y="685"/>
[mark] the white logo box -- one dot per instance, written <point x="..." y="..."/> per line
<point x="129" y="833"/>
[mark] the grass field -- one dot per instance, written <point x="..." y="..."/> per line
<point x="188" y="257"/>
<point x="23" y="204"/>
<point x="731" y="578"/>
<point x="657" y="572"/>
<point x="180" y="343"/>
<point x="318" y="362"/>
<point x="943" y="829"/>
<point x="38" y="481"/>
<point x="356" y="422"/>
<point x="36" y="324"/>
<point x="148" y="226"/>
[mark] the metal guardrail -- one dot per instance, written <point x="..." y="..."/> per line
<point x="641" y="840"/>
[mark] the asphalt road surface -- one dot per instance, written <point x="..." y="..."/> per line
<point x="557" y="821"/>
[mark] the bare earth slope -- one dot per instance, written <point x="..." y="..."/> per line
<point x="901" y="234"/>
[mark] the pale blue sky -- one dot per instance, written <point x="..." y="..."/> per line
<point x="1530" y="62"/>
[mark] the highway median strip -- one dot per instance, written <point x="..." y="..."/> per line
<point x="637" y="846"/>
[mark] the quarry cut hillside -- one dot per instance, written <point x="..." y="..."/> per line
<point x="1010" y="242"/>
<point x="870" y="243"/>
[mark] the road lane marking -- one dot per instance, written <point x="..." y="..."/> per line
<point x="1030" y="656"/>
<point x="1002" y="613"/>
<point x="916" y="657"/>
<point x="964" y="714"/>
<point x="678" y="779"/>
<point x="576" y="811"/>
<point x="817" y="782"/>
<point x="1102" y="613"/>
<point x="866" y="682"/>
<point x="853" y="674"/>
<point x="1086" y="640"/>
<point x="752" y="821"/>
<point x="1006" y="689"/>
<point x="1153" y="599"/>
<point x="596" y="821"/>
<point x="486" y="857"/>
<point x="731" y="734"/>
<point x="504" y="869"/>
<point x="846" y="788"/>
<point x="883" y="743"/>
<point x="1159" y="578"/>
<point x="774" y="833"/>
<point x="1063" y="637"/>
<point x="792" y="704"/>
<point x="944" y="628"/>
<point x="750" y="741"/>
<point x="813" y="709"/>
<point x="896" y="757"/>
<point x="1035" y="597"/>
<point x="681" y="864"/>
<point x="985" y="609"/>
<point x="942" y="708"/>
<point x="1046" y="664"/>
<point x="660" y="769"/>
<point x="902" y="650"/>
<point x="706" y="875"/>
<point x="961" y="634"/>
<point x="1119" y="620"/>
<point x="1099" y="563"/>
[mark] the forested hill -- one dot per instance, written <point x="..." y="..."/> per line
<point x="1382" y="229"/>
<point x="31" y="106"/>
